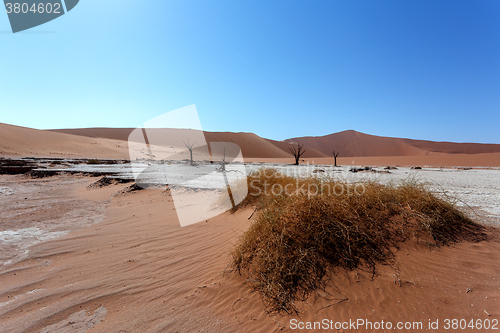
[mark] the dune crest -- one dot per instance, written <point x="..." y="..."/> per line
<point x="355" y="144"/>
<point x="22" y="141"/>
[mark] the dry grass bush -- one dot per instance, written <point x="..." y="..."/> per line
<point x="297" y="236"/>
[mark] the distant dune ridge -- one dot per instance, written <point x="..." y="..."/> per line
<point x="252" y="145"/>
<point x="355" y="144"/>
<point x="367" y="149"/>
<point x="22" y="141"/>
<point x="349" y="143"/>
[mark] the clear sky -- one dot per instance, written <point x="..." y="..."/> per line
<point x="416" y="69"/>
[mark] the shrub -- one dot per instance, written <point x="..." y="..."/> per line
<point x="93" y="161"/>
<point x="297" y="236"/>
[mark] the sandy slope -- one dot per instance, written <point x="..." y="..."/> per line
<point x="22" y="141"/>
<point x="285" y="146"/>
<point x="351" y="143"/>
<point x="453" y="147"/>
<point x="139" y="271"/>
<point x="252" y="146"/>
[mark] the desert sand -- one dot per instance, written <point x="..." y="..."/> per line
<point x="21" y="141"/>
<point x="138" y="271"/>
<point x="251" y="145"/>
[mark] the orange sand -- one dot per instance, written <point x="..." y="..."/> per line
<point x="139" y="271"/>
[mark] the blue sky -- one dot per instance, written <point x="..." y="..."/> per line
<point x="416" y="69"/>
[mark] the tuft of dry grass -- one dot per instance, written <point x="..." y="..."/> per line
<point x="302" y="232"/>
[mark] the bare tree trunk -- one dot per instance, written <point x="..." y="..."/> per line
<point x="224" y="171"/>
<point x="190" y="148"/>
<point x="335" y="154"/>
<point x="297" y="153"/>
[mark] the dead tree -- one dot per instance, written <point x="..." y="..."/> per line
<point x="190" y="148"/>
<point x="224" y="172"/>
<point x="335" y="154"/>
<point x="297" y="153"/>
<point x="223" y="163"/>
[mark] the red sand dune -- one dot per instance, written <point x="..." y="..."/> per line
<point x="285" y="146"/>
<point x="355" y="148"/>
<point x="454" y="148"/>
<point x="349" y="143"/>
<point x="252" y="146"/>
<point x="355" y="144"/>
<point x="22" y="141"/>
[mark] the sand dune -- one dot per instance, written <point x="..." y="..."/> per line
<point x="109" y="143"/>
<point x="22" y="141"/>
<point x="252" y="146"/>
<point x="349" y="143"/>
<point x="453" y="147"/>
<point x="355" y="148"/>
<point x="285" y="146"/>
<point x="355" y="144"/>
<point x="99" y="132"/>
